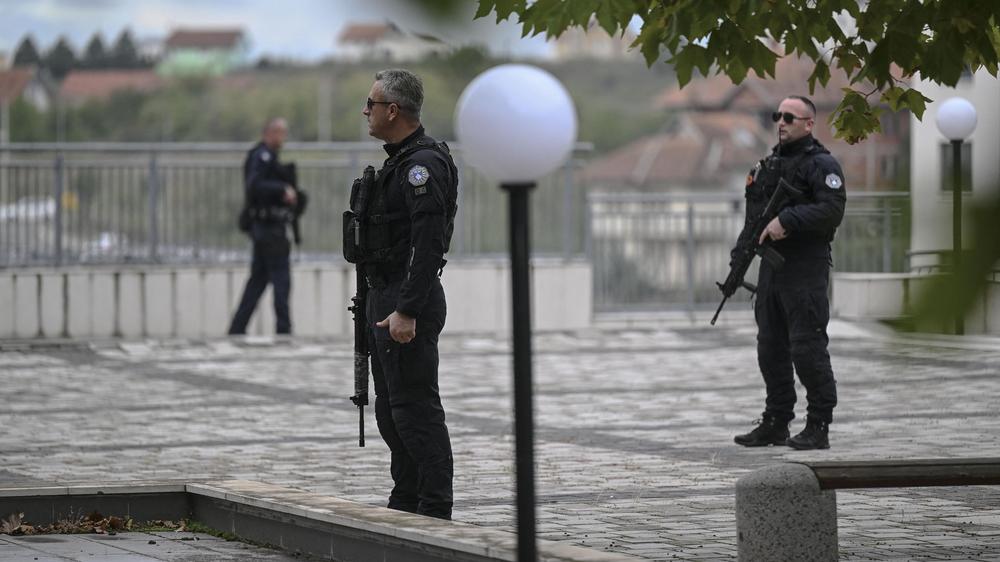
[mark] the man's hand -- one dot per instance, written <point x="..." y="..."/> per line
<point x="774" y="231"/>
<point x="290" y="196"/>
<point x="402" y="328"/>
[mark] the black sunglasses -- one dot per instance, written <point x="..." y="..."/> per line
<point x="777" y="116"/>
<point x="371" y="103"/>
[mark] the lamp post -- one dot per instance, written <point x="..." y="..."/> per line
<point x="515" y="124"/>
<point x="956" y="119"/>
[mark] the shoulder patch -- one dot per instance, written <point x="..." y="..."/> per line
<point x="265" y="156"/>
<point x="418" y="176"/>
<point x="833" y="181"/>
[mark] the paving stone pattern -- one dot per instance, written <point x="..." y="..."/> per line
<point x="634" y="429"/>
<point x="134" y="547"/>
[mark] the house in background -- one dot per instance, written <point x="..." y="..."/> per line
<point x="151" y="49"/>
<point x="80" y="86"/>
<point x="705" y="151"/>
<point x="30" y="84"/>
<point x="204" y="52"/>
<point x="384" y="41"/>
<point x="877" y="164"/>
<point x="594" y="43"/>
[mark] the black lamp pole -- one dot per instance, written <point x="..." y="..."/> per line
<point x="520" y="250"/>
<point x="956" y="221"/>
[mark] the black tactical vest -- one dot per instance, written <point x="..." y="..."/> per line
<point x="378" y="247"/>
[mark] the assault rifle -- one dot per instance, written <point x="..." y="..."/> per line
<point x="353" y="233"/>
<point x="289" y="174"/>
<point x="745" y="252"/>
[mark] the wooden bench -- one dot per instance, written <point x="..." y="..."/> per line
<point x="903" y="473"/>
<point x="789" y="511"/>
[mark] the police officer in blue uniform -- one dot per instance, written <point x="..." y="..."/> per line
<point x="792" y="308"/>
<point x="408" y="227"/>
<point x="270" y="207"/>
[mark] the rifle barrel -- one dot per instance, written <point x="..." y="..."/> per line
<point x="718" y="310"/>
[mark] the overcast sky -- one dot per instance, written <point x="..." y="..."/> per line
<point x="300" y="29"/>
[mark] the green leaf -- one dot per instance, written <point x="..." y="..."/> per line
<point x="503" y="8"/>
<point x="846" y="60"/>
<point x="892" y="97"/>
<point x="606" y="18"/>
<point x="485" y="7"/>
<point x="916" y="102"/>
<point x="821" y="74"/>
<point x="944" y="62"/>
<point x="650" y="40"/>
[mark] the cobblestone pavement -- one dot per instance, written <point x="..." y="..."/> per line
<point x="134" y="547"/>
<point x="634" y="429"/>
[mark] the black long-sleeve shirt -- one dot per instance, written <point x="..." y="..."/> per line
<point x="419" y="184"/>
<point x="261" y="177"/>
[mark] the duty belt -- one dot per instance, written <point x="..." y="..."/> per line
<point x="380" y="279"/>
<point x="271" y="214"/>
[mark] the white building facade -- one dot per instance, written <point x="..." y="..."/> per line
<point x="931" y="165"/>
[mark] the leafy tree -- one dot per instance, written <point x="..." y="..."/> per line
<point x="95" y="55"/>
<point x="124" y="54"/>
<point x="26" y="54"/>
<point x="60" y="59"/>
<point x="876" y="44"/>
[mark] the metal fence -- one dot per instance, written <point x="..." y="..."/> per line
<point x="667" y="250"/>
<point x="149" y="203"/>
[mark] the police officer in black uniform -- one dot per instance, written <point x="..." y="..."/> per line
<point x="407" y="231"/>
<point x="792" y="308"/>
<point x="270" y="205"/>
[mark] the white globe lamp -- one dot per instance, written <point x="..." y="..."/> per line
<point x="516" y="123"/>
<point x="956" y="120"/>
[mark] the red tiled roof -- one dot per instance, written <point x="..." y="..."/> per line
<point x="366" y="33"/>
<point x="14" y="81"/>
<point x="734" y="140"/>
<point x="791" y="76"/>
<point x="204" y="38"/>
<point x="100" y="84"/>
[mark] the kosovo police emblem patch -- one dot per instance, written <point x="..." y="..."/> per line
<point x="833" y="181"/>
<point x="418" y="175"/>
<point x="265" y="156"/>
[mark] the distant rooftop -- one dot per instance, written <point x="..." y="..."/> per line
<point x="367" y="33"/>
<point x="221" y="38"/>
<point x="100" y="84"/>
<point x="14" y="81"/>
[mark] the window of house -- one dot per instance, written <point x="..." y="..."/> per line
<point x="947" y="162"/>
<point x="889" y="165"/>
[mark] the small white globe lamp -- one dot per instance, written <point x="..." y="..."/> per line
<point x="956" y="119"/>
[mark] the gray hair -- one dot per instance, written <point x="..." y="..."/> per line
<point x="273" y="121"/>
<point x="402" y="88"/>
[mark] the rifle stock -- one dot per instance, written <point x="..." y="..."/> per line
<point x="744" y="254"/>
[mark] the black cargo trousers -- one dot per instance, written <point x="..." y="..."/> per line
<point x="408" y="407"/>
<point x="792" y="310"/>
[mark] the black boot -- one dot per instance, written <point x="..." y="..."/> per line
<point x="814" y="436"/>
<point x="769" y="431"/>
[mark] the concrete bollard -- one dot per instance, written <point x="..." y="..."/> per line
<point x="781" y="514"/>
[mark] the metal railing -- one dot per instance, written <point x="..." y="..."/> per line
<point x="667" y="250"/>
<point x="177" y="202"/>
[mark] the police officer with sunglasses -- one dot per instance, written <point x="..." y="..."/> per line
<point x="407" y="228"/>
<point x="792" y="308"/>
